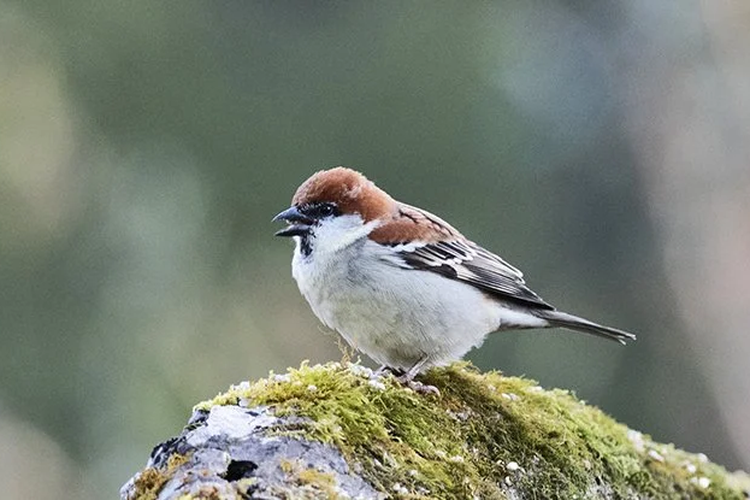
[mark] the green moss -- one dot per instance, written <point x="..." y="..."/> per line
<point x="484" y="435"/>
<point x="318" y="483"/>
<point x="149" y="482"/>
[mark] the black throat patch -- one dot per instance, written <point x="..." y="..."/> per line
<point x="305" y="244"/>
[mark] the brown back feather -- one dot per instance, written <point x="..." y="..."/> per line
<point x="411" y="223"/>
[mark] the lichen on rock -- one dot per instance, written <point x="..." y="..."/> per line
<point x="334" y="431"/>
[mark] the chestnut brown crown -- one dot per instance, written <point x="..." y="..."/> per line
<point x="351" y="191"/>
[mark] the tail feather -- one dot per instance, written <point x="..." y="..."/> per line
<point x="571" y="322"/>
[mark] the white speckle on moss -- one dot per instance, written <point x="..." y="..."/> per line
<point x="655" y="455"/>
<point x="636" y="438"/>
<point x="376" y="384"/>
<point x="359" y="370"/>
<point x="400" y="489"/>
<point x="702" y="482"/>
<point x="312" y="388"/>
<point x="512" y="466"/>
<point x="463" y="416"/>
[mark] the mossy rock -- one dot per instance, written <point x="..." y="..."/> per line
<point x="336" y="432"/>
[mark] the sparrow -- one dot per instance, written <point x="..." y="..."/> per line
<point x="400" y="284"/>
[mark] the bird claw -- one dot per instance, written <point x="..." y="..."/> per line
<point x="419" y="387"/>
<point x="406" y="379"/>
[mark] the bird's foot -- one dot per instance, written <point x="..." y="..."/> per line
<point x="418" y="386"/>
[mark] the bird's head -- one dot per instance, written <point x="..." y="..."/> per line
<point x="333" y="209"/>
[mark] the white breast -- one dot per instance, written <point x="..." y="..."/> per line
<point x="396" y="316"/>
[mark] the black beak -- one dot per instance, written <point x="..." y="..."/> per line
<point x="299" y="224"/>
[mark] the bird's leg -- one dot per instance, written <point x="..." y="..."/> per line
<point x="408" y="379"/>
<point x="414" y="370"/>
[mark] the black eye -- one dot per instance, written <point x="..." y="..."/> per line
<point x="326" y="209"/>
<point x="320" y="210"/>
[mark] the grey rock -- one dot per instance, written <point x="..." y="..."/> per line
<point x="234" y="452"/>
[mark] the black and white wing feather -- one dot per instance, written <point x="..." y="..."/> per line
<point x="465" y="261"/>
<point x="424" y="241"/>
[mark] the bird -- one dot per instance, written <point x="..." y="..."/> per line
<point x="400" y="284"/>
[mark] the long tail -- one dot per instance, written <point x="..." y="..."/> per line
<point x="565" y="320"/>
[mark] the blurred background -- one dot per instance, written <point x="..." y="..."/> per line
<point x="601" y="146"/>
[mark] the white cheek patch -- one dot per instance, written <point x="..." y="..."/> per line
<point x="339" y="232"/>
